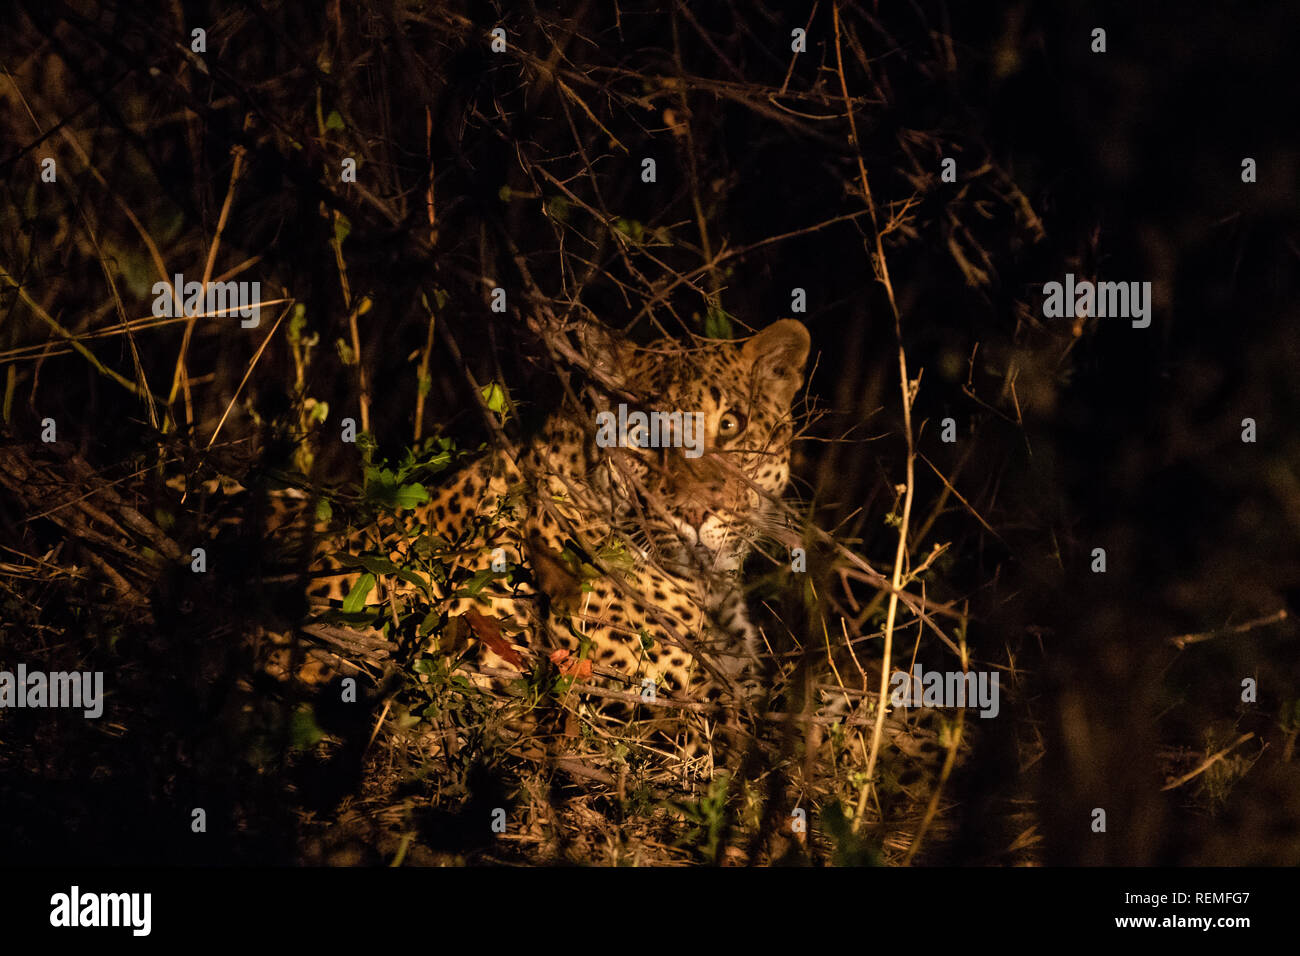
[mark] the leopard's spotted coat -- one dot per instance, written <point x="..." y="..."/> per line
<point x="670" y="610"/>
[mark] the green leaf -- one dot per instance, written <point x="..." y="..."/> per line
<point x="411" y="496"/>
<point x="304" y="732"/>
<point x="494" y="396"/>
<point x="345" y="352"/>
<point x="342" y="227"/>
<point x="334" y="120"/>
<point x="850" y="849"/>
<point x="356" y="598"/>
<point x="297" y="322"/>
<point x="324" y="510"/>
<point x="359" y="620"/>
<point x="479" y="581"/>
<point x="717" y="323"/>
<point x="616" y="557"/>
<point x="558" y="208"/>
<point x="410" y="577"/>
<point x="630" y="228"/>
<point x="378" y="565"/>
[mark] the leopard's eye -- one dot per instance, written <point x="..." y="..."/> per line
<point x="731" y="425"/>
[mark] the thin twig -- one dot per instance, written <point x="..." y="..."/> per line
<point x="949" y="761"/>
<point x="900" y="554"/>
<point x="1207" y="763"/>
<point x="1182" y="640"/>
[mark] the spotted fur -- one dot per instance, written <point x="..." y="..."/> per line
<point x="665" y="534"/>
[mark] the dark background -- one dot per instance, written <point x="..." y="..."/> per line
<point x="1123" y="165"/>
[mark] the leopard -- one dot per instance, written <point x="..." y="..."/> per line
<point x="619" y="568"/>
<point x="621" y="561"/>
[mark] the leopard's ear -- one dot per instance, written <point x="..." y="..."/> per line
<point x="607" y="353"/>
<point x="777" y="355"/>
<point x="601" y="354"/>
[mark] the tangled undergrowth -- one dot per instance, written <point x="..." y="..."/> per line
<point x="421" y="210"/>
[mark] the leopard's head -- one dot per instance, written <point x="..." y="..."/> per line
<point x="698" y="479"/>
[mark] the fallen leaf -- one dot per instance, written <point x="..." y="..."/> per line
<point x="489" y="632"/>
<point x="579" y="668"/>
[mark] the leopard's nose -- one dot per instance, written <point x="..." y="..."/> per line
<point x="694" y="516"/>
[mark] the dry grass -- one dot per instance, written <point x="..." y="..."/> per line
<point x="521" y="171"/>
